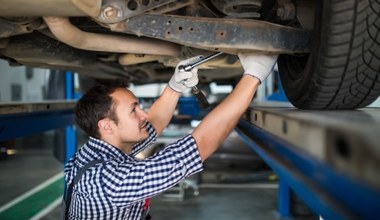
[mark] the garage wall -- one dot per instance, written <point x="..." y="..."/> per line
<point x="21" y="83"/>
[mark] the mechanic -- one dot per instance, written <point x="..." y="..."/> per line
<point x="119" y="186"/>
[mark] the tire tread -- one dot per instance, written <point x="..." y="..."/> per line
<point x="348" y="59"/>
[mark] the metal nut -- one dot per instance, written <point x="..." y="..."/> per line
<point x="110" y="12"/>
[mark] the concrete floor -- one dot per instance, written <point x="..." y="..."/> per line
<point x="230" y="185"/>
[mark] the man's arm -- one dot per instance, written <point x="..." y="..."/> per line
<point x="163" y="109"/>
<point x="218" y="124"/>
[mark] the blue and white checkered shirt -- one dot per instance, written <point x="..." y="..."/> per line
<point x="118" y="187"/>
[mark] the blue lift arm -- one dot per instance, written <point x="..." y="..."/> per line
<point x="21" y="119"/>
<point x="334" y="184"/>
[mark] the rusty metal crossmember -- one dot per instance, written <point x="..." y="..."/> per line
<point x="226" y="35"/>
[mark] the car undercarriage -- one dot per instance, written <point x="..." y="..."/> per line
<point x="329" y="50"/>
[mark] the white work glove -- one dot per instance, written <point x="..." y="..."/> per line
<point x="182" y="80"/>
<point x="257" y="65"/>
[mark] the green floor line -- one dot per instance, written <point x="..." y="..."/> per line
<point x="33" y="204"/>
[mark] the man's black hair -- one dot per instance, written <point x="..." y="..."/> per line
<point x="97" y="104"/>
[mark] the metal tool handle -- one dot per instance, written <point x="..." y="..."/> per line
<point x="201" y="97"/>
<point x="190" y="66"/>
<point x="198" y="94"/>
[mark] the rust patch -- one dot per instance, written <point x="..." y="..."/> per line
<point x="221" y="35"/>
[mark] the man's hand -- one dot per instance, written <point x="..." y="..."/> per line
<point x="257" y="65"/>
<point x="182" y="80"/>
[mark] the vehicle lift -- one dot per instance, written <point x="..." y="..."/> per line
<point x="330" y="159"/>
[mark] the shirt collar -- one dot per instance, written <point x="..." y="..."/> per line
<point x="106" y="150"/>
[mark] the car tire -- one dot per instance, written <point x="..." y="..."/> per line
<point x="343" y="69"/>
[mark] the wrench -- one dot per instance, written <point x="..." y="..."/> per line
<point x="200" y="96"/>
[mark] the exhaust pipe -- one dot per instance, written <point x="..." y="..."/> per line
<point x="64" y="8"/>
<point x="64" y="31"/>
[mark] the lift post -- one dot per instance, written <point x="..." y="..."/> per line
<point x="70" y="137"/>
<point x="21" y="119"/>
<point x="331" y="159"/>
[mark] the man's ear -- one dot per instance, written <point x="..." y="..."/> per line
<point x="104" y="126"/>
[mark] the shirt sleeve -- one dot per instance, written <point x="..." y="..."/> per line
<point x="131" y="182"/>
<point x="68" y="170"/>
<point x="137" y="148"/>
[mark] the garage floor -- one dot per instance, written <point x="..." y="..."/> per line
<point x="234" y="185"/>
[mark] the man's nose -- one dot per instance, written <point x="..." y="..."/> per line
<point x="142" y="114"/>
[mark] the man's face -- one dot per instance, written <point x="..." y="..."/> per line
<point x="131" y="127"/>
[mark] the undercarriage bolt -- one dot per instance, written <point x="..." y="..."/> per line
<point x="110" y="12"/>
<point x="287" y="11"/>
